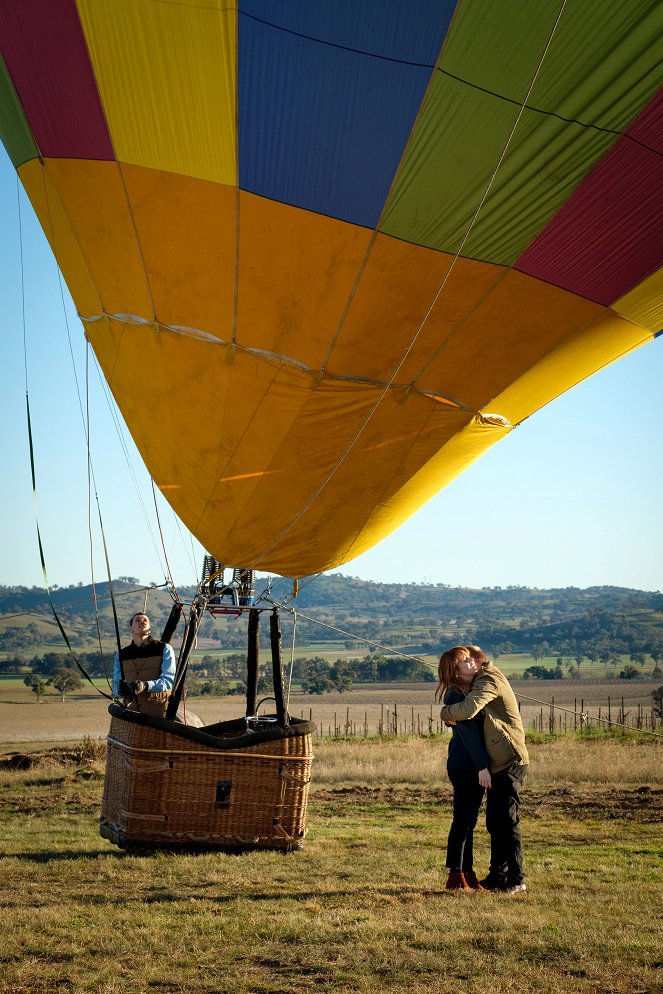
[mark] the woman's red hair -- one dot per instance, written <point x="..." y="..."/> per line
<point x="447" y="670"/>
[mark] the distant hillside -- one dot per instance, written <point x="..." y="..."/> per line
<point x="413" y="617"/>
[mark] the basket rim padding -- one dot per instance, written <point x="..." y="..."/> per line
<point x="210" y="735"/>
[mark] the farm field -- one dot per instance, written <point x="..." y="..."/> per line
<point x="407" y="707"/>
<point x="363" y="907"/>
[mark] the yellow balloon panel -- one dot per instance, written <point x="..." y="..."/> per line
<point x="296" y="273"/>
<point x="511" y="328"/>
<point x="388" y="319"/>
<point x="186" y="230"/>
<point x="441" y="467"/>
<point x="604" y="340"/>
<point x="93" y="197"/>
<point x="180" y="58"/>
<point x="53" y="217"/>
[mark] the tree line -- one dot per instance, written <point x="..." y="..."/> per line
<point x="220" y="675"/>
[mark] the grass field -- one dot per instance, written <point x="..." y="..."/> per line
<point x="363" y="907"/>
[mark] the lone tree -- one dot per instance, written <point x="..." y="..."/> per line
<point x="37" y="684"/>
<point x="66" y="680"/>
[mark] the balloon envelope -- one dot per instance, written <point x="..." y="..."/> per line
<point x="327" y="254"/>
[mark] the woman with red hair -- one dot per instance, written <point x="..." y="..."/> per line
<point x="504" y="737"/>
<point x="467" y="767"/>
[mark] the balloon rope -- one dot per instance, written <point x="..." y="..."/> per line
<point x="89" y="524"/>
<point x="163" y="543"/>
<point x="292" y="660"/>
<point x="399" y="365"/>
<point x="585" y="716"/>
<point x="351" y="635"/>
<point x="113" y="414"/>
<point x="32" y="459"/>
<point x="85" y="419"/>
<point x="85" y="416"/>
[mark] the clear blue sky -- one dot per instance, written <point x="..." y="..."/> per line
<point x="571" y="498"/>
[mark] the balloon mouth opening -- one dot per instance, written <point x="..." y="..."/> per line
<point x="498" y="420"/>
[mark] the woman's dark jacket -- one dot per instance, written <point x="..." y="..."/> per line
<point x="467" y="752"/>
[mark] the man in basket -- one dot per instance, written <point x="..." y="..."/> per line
<point x="144" y="670"/>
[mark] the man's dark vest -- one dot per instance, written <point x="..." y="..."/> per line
<point x="143" y="662"/>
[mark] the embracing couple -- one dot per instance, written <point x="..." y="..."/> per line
<point x="486" y="752"/>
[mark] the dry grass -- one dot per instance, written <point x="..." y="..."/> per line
<point x="363" y="908"/>
<point x="568" y="759"/>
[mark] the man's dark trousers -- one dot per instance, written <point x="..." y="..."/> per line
<point x="503" y="824"/>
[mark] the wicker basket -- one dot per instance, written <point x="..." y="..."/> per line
<point x="220" y="786"/>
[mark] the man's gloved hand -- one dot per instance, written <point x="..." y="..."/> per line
<point x="124" y="688"/>
<point x="139" y="687"/>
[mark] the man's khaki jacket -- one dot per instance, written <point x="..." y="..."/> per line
<point x="502" y="725"/>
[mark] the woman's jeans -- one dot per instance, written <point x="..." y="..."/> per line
<point x="468" y="795"/>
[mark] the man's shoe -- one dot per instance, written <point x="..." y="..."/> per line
<point x="493" y="883"/>
<point x="514" y="889"/>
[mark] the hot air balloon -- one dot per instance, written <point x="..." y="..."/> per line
<point x="327" y="254"/>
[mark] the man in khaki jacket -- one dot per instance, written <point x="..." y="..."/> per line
<point x="505" y="744"/>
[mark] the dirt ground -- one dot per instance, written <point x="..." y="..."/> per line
<point x="643" y="804"/>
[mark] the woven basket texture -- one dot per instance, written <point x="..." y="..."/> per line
<point x="161" y="788"/>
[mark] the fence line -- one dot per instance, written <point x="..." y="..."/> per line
<point x="401" y="720"/>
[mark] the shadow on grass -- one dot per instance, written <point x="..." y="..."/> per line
<point x="402" y="895"/>
<point x="64" y="856"/>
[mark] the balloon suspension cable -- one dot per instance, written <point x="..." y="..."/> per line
<point x="292" y="660"/>
<point x="351" y="635"/>
<point x="97" y="619"/>
<point x="43" y="561"/>
<point x="85" y="416"/>
<point x="123" y="445"/>
<point x="297" y="587"/>
<point x="585" y="716"/>
<point x="85" y="419"/>
<point x="33" y="471"/>
<point x="163" y="543"/>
